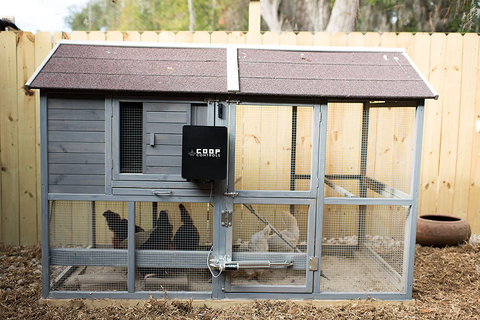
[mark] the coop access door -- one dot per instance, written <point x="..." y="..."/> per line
<point x="273" y="216"/>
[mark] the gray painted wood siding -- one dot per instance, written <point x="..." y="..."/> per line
<point x="76" y="145"/>
<point x="165" y="122"/>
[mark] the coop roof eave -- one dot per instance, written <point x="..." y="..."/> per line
<point x="243" y="70"/>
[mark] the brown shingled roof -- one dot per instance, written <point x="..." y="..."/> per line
<point x="306" y="72"/>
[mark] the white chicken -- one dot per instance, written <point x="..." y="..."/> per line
<point x="291" y="234"/>
<point x="258" y="243"/>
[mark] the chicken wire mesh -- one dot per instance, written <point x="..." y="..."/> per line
<point x="178" y="228"/>
<point x="375" y="143"/>
<point x="273" y="148"/>
<point x="90" y="242"/>
<point x="270" y="228"/>
<point x="131" y="137"/>
<point x="363" y="248"/>
<point x="80" y="231"/>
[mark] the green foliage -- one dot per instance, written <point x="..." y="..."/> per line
<point x="157" y="15"/>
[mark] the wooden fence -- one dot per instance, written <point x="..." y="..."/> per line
<point x="450" y="178"/>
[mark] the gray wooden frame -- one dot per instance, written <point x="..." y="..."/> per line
<point x="223" y="236"/>
<point x="279" y="257"/>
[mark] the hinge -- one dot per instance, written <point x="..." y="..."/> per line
<point x="227" y="218"/>
<point x="231" y="194"/>
<point x="313" y="263"/>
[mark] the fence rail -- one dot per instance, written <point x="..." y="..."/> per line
<point x="450" y="178"/>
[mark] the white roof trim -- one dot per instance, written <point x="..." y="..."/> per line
<point x="226" y="46"/>
<point x="40" y="67"/>
<point x="434" y="92"/>
<point x="232" y="69"/>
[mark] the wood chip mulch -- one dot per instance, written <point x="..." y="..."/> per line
<point x="446" y="286"/>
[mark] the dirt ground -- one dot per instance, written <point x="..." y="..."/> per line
<point x="446" y="286"/>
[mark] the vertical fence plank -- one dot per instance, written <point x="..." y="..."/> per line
<point x="219" y="37"/>
<point x="43" y="45"/>
<point x="131" y="36"/>
<point x="26" y="140"/>
<point x="9" y="138"/>
<point x="339" y="39"/>
<point x="433" y="118"/>
<point x="272" y="38"/>
<point x="321" y="39"/>
<point x="288" y="38"/>
<point x="166" y="36"/>
<point x="305" y="39"/>
<point x="96" y="36"/>
<point x="355" y="39"/>
<point x="474" y="199"/>
<point x="60" y="35"/>
<point x="201" y="37"/>
<point x="236" y="37"/>
<point x="253" y="38"/>
<point x="467" y="125"/>
<point x="184" y="36"/>
<point x="79" y="35"/>
<point x="451" y="113"/>
<point x="114" y="36"/>
<point x="149" y="36"/>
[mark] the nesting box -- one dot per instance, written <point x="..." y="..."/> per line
<point x="318" y="199"/>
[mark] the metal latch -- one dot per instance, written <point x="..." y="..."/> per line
<point x="231" y="194"/>
<point x="162" y="192"/>
<point x="224" y="263"/>
<point x="313" y="263"/>
<point x="227" y="218"/>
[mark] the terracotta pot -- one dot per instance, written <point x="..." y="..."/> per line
<point x="442" y="230"/>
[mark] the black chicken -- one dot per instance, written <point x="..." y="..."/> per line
<point x="159" y="239"/>
<point x="161" y="236"/>
<point x="119" y="227"/>
<point x="186" y="237"/>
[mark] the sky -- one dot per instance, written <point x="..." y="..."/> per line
<point x="39" y="15"/>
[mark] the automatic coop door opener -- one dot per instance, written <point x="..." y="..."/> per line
<point x="204" y="153"/>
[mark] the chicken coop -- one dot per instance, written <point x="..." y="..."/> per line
<point x="228" y="171"/>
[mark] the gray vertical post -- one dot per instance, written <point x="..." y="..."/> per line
<point x="131" y="247"/>
<point x="220" y="204"/>
<point x="108" y="144"/>
<point x="411" y="221"/>
<point x="92" y="228"/>
<point x="44" y="197"/>
<point x="321" y="116"/>
<point x="362" y="209"/>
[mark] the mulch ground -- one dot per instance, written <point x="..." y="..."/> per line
<point x="446" y="286"/>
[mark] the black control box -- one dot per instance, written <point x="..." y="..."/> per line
<point x="204" y="153"/>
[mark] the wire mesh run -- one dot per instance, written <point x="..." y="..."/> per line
<point x="273" y="148"/>
<point x="369" y="151"/>
<point x="131" y="137"/>
<point x="363" y="248"/>
<point x="267" y="228"/>
<point x="82" y="238"/>
<point x="89" y="242"/>
<point x="181" y="236"/>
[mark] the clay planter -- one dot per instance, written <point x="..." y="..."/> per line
<point x="442" y="230"/>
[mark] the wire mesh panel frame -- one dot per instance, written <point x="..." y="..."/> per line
<point x="300" y="259"/>
<point x="76" y="260"/>
<point x="410" y="234"/>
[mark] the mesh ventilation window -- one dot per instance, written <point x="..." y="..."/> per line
<point x="273" y="148"/>
<point x="131" y="137"/>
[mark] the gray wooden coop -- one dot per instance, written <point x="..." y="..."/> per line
<point x="320" y="197"/>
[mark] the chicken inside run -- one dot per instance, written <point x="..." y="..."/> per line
<point x="187" y="227"/>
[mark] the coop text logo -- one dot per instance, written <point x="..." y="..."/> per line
<point x="204" y="153"/>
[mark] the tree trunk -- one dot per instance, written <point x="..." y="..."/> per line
<point x="270" y="10"/>
<point x="343" y="17"/>
<point x="192" y="15"/>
